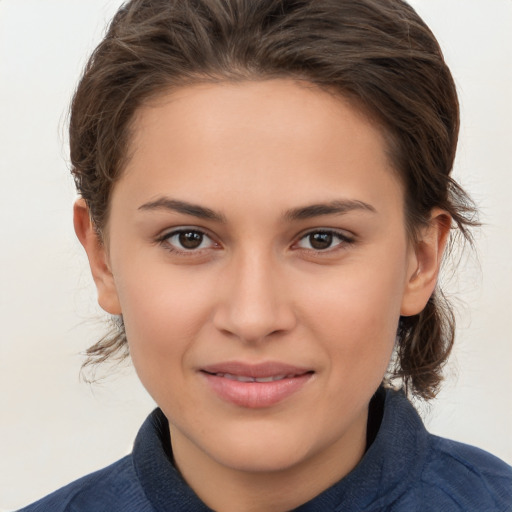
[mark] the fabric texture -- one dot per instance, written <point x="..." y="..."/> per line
<point x="405" y="469"/>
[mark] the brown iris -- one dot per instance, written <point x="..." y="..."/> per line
<point x="190" y="239"/>
<point x="320" y="241"/>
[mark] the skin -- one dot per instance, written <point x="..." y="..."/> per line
<point x="258" y="288"/>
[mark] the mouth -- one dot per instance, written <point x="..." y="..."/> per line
<point x="246" y="378"/>
<point x="255" y="386"/>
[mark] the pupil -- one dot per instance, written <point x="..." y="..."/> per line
<point x="190" y="239"/>
<point x="320" y="240"/>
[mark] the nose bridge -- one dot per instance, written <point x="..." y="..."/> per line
<point x="254" y="302"/>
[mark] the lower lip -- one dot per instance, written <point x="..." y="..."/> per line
<point x="255" y="395"/>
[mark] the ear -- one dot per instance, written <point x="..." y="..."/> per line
<point x="425" y="262"/>
<point x="98" y="258"/>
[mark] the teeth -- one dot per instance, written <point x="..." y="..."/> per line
<point x="270" y="379"/>
<point x="239" y="378"/>
<point x="243" y="378"/>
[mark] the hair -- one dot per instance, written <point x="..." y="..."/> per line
<point x="378" y="54"/>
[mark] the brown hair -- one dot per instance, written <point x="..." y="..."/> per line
<point x="377" y="53"/>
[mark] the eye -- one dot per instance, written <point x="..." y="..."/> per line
<point x="323" y="240"/>
<point x="187" y="240"/>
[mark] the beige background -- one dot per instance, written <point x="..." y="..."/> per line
<point x="52" y="427"/>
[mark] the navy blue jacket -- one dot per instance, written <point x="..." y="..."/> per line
<point x="405" y="469"/>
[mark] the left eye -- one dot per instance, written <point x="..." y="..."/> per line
<point x="188" y="240"/>
<point x="322" y="240"/>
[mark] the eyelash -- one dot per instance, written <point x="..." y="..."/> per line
<point x="166" y="238"/>
<point x="343" y="241"/>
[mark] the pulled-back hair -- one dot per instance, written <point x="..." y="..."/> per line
<point x="378" y="54"/>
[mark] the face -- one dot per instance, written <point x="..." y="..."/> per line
<point x="257" y="250"/>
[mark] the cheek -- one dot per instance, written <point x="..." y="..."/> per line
<point x="356" y="313"/>
<point x="163" y="312"/>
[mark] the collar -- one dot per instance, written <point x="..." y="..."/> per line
<point x="391" y="464"/>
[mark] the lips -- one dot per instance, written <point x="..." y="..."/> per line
<point x="255" y="386"/>
<point x="245" y="378"/>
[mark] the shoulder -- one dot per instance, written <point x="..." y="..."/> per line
<point x="467" y="478"/>
<point x="426" y="472"/>
<point x="112" y="489"/>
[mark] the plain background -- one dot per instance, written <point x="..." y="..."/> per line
<point x="53" y="428"/>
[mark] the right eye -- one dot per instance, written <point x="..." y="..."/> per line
<point x="187" y="240"/>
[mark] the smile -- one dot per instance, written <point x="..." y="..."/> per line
<point x="245" y="378"/>
<point x="255" y="386"/>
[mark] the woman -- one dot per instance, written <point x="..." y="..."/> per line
<point x="265" y="202"/>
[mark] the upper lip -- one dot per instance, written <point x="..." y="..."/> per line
<point x="259" y="370"/>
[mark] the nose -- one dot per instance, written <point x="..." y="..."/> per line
<point x="253" y="302"/>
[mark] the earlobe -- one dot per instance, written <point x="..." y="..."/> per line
<point x="425" y="262"/>
<point x="98" y="258"/>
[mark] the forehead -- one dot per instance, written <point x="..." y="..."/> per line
<point x="253" y="138"/>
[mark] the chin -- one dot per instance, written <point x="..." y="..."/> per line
<point x="263" y="448"/>
<point x="262" y="459"/>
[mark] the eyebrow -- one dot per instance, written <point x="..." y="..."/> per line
<point x="165" y="203"/>
<point x="338" y="207"/>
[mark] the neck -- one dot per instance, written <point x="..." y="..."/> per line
<point x="229" y="489"/>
